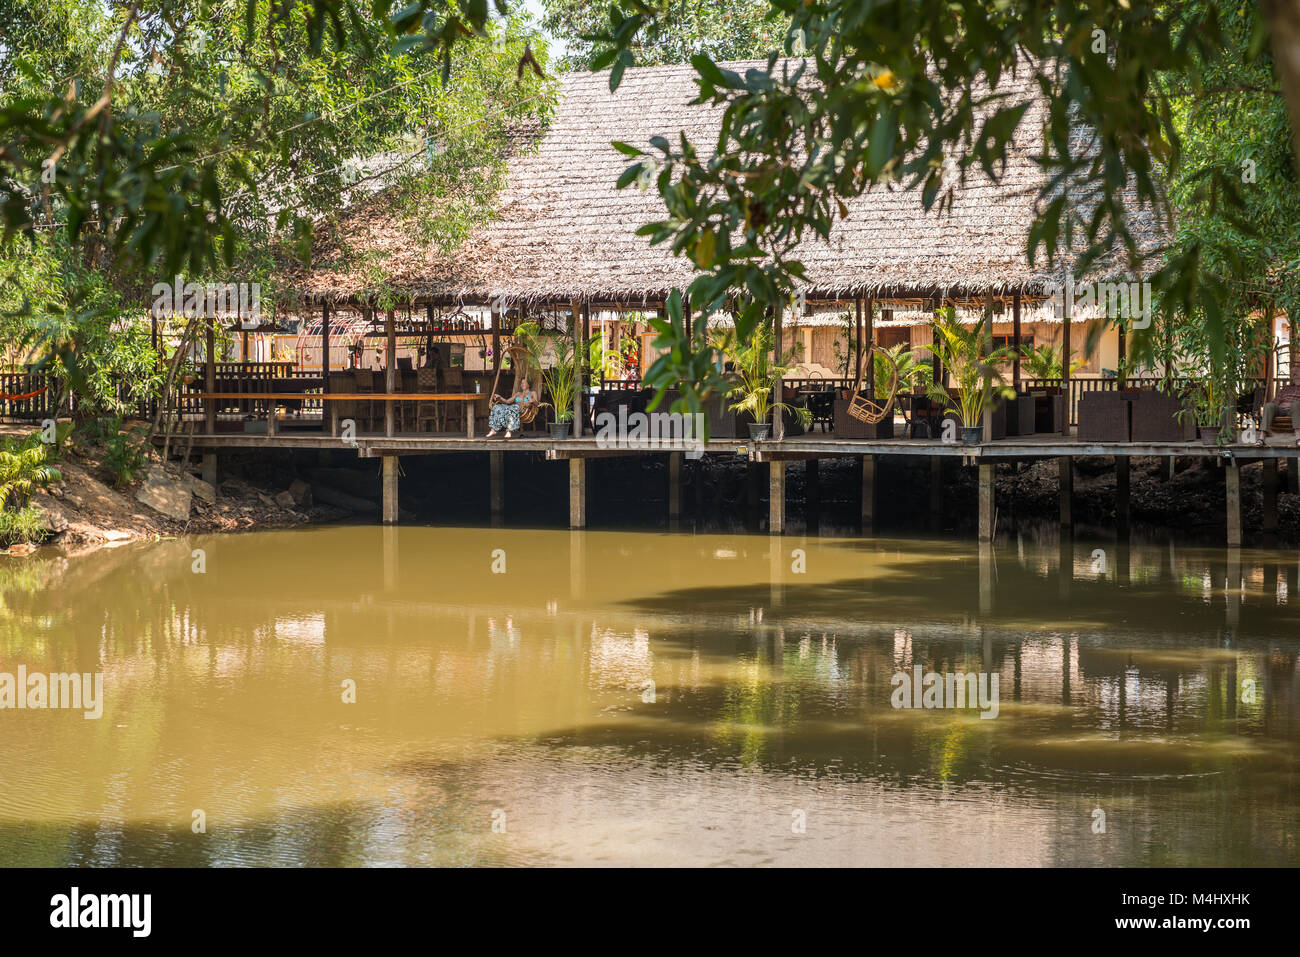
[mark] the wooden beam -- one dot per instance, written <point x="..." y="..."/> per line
<point x="1066" y="352"/>
<point x="985" y="348"/>
<point x="868" y="341"/>
<point x="390" y="374"/>
<point x="210" y="379"/>
<point x="1122" y="372"/>
<point x="325" y="345"/>
<point x="778" y="424"/>
<point x="857" y="336"/>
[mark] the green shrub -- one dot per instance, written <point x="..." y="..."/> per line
<point x="24" y="466"/>
<point x="23" y="525"/>
<point x="125" y="456"/>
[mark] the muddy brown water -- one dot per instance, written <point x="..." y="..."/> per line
<point x="554" y="697"/>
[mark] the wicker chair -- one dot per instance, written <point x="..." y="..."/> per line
<point x="520" y="362"/>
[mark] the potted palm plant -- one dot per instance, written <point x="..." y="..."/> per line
<point x="1209" y="404"/>
<point x="974" y="371"/>
<point x="756" y="374"/>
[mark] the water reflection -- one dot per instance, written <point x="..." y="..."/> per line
<point x="645" y="698"/>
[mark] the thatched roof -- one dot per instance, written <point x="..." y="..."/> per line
<point x="562" y="230"/>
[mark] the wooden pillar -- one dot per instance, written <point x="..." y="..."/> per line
<point x="390" y="490"/>
<point x="776" y="497"/>
<point x="1122" y="372"/>
<point x="988" y="473"/>
<point x="812" y="496"/>
<point x="752" y="481"/>
<point x="577" y="493"/>
<point x="582" y="323"/>
<point x="496" y="492"/>
<point x="1065" y="468"/>
<point x="325" y="345"/>
<point x="674" y="490"/>
<point x="985" y="349"/>
<point x="210" y="380"/>
<point x="869" y="339"/>
<point x="390" y="374"/>
<point x="1232" y="489"/>
<point x="1065" y="371"/>
<point x="940" y="374"/>
<point x="1122" y="477"/>
<point x="686" y="316"/>
<point x="494" y="316"/>
<point x="1270" y="484"/>
<point x="868" y="494"/>
<point x="778" y="424"/>
<point x="209" y="473"/>
<point x="857" y="336"/>
<point x="1015" y="338"/>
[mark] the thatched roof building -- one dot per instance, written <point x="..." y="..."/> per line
<point x="562" y="230"/>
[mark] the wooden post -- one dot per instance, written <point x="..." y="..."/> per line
<point x="1122" y="476"/>
<point x="674" y="490"/>
<point x="686" y="317"/>
<point x="986" y="348"/>
<point x="1065" y="468"/>
<point x="1270" y="484"/>
<point x="325" y="346"/>
<point x="1232" y="489"/>
<point x="495" y="318"/>
<point x="390" y="374"/>
<point x="812" y="496"/>
<point x="209" y="473"/>
<point x="868" y="340"/>
<point x="1122" y="371"/>
<point x="1015" y="338"/>
<point x="776" y="497"/>
<point x="857" y="335"/>
<point x="778" y="423"/>
<point x="577" y="493"/>
<point x="210" y="381"/>
<point x="868" y="494"/>
<point x="1065" y="371"/>
<point x="986" y="500"/>
<point x="390" y="490"/>
<point x="496" y="493"/>
<point x="940" y="374"/>
<point x="1293" y="475"/>
<point x="581" y="322"/>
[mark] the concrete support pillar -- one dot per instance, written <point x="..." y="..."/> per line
<point x="1122" y="487"/>
<point x="577" y="493"/>
<point x="389" y="516"/>
<point x="1270" y="487"/>
<point x="812" y="495"/>
<point x="936" y="492"/>
<point x="1232" y="489"/>
<point x="1065" y="465"/>
<point x="986" y="574"/>
<point x="868" y="494"/>
<point x="209" y="473"/>
<point x="497" y="487"/>
<point x="988" y="472"/>
<point x="674" y="490"/>
<point x="776" y="497"/>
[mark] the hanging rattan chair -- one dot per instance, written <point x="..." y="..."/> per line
<point x="864" y="405"/>
<point x="521" y="362"/>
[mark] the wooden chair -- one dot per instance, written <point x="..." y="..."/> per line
<point x="453" y="413"/>
<point x="426" y="380"/>
<point x="365" y="382"/>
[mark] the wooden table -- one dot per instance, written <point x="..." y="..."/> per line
<point x="469" y="398"/>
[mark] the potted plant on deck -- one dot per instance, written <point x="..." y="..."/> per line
<point x="1209" y="404"/>
<point x="755" y="374"/>
<point x="961" y="350"/>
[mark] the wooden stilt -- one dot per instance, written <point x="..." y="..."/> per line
<point x="577" y="493"/>
<point x="674" y="490"/>
<point x="988" y="472"/>
<point x="390" y="490"/>
<point x="1293" y="475"/>
<point x="812" y="496"/>
<point x="210" y="381"/>
<point x="868" y="494"/>
<point x="1122" y="476"/>
<point x="1167" y="468"/>
<point x="1232" y="490"/>
<point x="936" y="492"/>
<point x="209" y="473"/>
<point x="776" y="497"/>
<point x="1065" y="468"/>
<point x="497" y="468"/>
